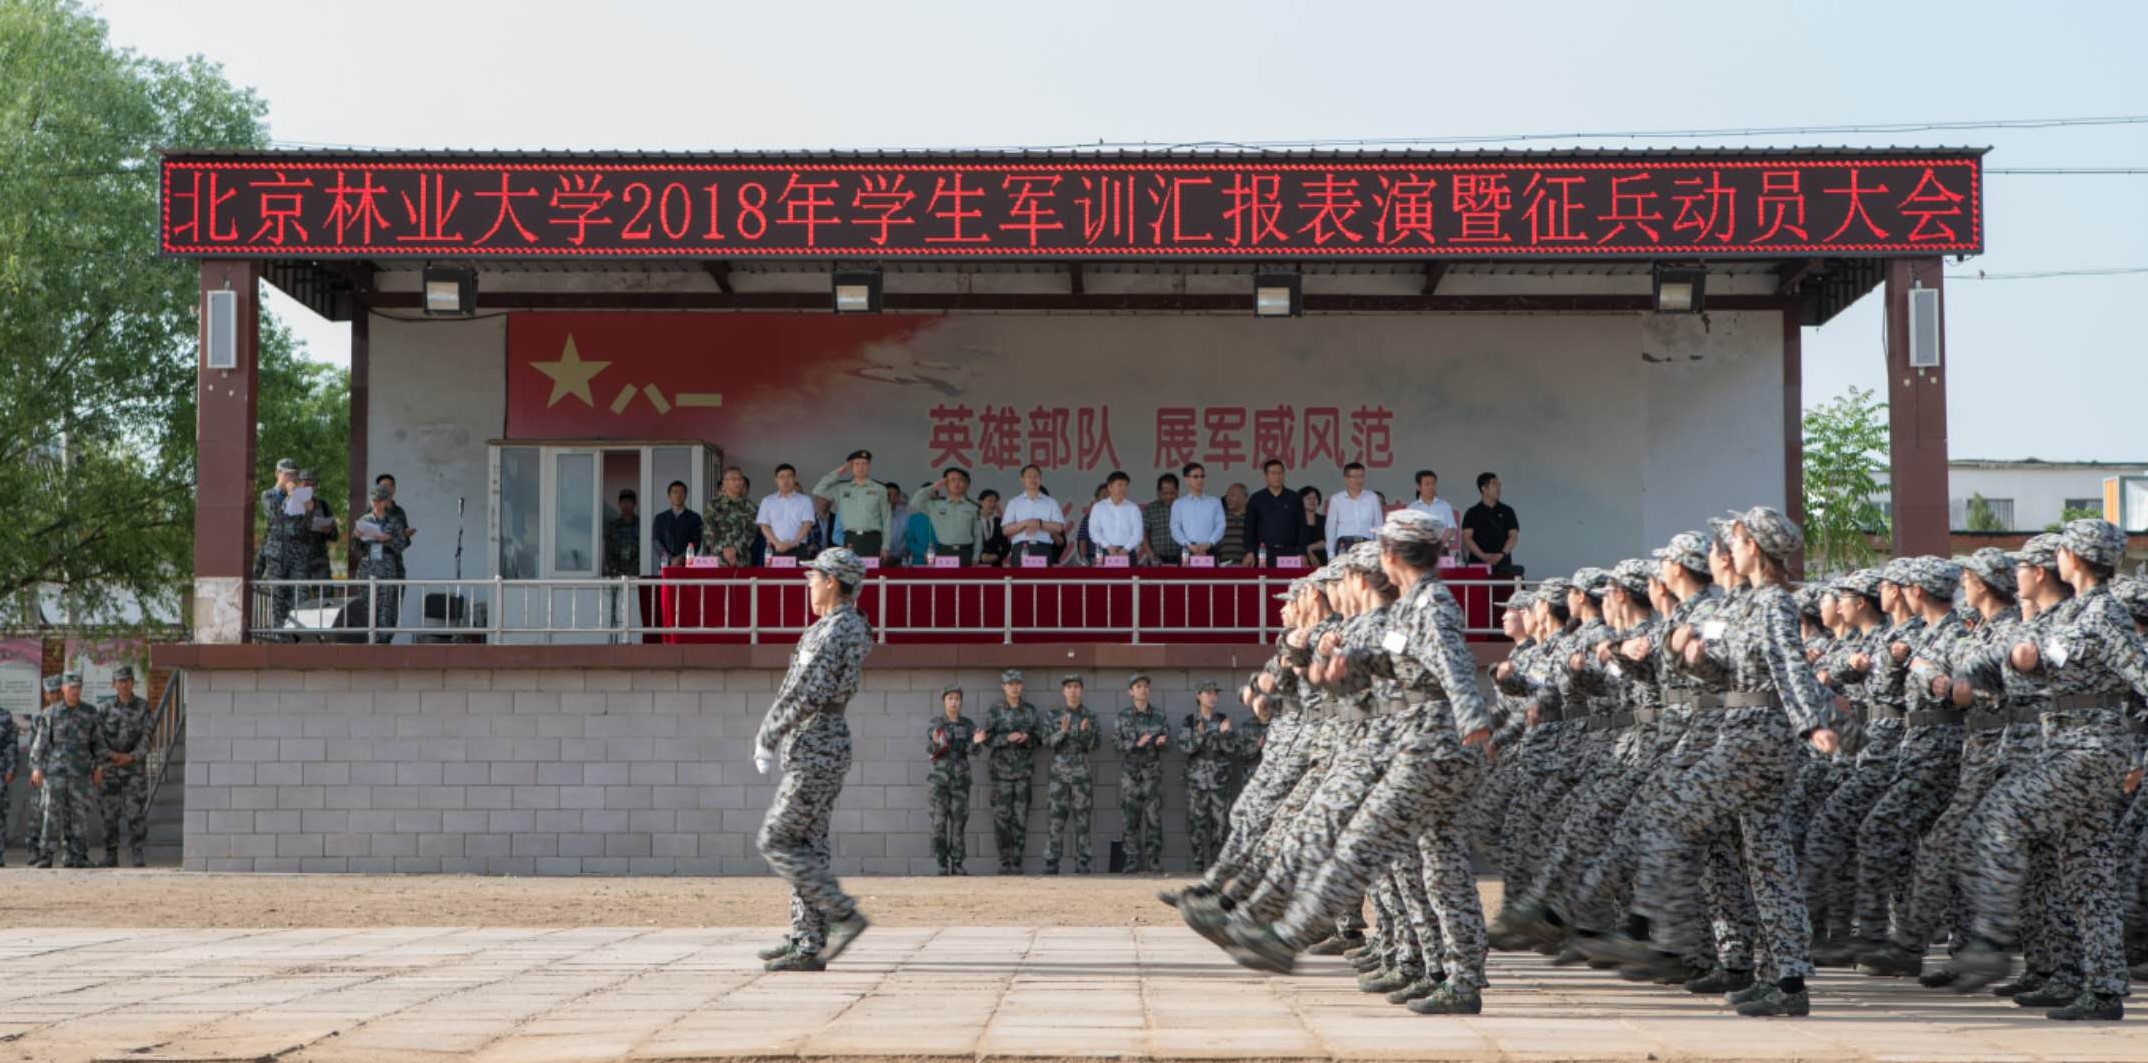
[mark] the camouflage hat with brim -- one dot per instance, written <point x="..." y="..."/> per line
<point x="1364" y="558"/>
<point x="2094" y="540"/>
<point x="840" y="565"/>
<point x="380" y="493"/>
<point x="1592" y="581"/>
<point x="1897" y="572"/>
<point x="1776" y="535"/>
<point x="2132" y="592"/>
<point x="308" y="476"/>
<point x="1554" y="591"/>
<point x="1208" y="686"/>
<point x="286" y="465"/>
<point x="1687" y="549"/>
<point x="1070" y="681"/>
<point x="1808" y="602"/>
<point x="956" y="691"/>
<point x="1935" y="576"/>
<point x="1632" y="576"/>
<point x="1520" y="601"/>
<point x="52" y="684"/>
<point x="1993" y="566"/>
<point x="1410" y="526"/>
<point x="123" y="674"/>
<point x="1323" y="575"/>
<point x="70" y="679"/>
<point x="2041" y="551"/>
<point x="1720" y="529"/>
<point x="1011" y="675"/>
<point x="1864" y="581"/>
<point x="1136" y="679"/>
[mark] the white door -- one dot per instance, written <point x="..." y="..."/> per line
<point x="663" y="466"/>
<point x="573" y="544"/>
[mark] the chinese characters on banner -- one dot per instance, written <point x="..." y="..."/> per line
<point x="21" y="673"/>
<point x="991" y="436"/>
<point x="1738" y="206"/>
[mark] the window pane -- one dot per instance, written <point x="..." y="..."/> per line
<point x="519" y="534"/>
<point x="574" y="478"/>
<point x="672" y="463"/>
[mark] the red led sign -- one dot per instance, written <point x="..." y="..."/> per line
<point x="310" y="206"/>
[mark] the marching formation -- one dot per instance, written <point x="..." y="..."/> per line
<point x="1690" y="772"/>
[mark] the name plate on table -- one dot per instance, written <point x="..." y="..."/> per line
<point x="946" y="561"/>
<point x="1035" y="561"/>
<point x="704" y="561"/>
<point x="871" y="563"/>
<point x="1200" y="561"/>
<point x="1117" y="561"/>
<point x="1446" y="562"/>
<point x="780" y="561"/>
<point x="1293" y="561"/>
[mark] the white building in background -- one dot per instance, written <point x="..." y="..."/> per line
<point x="2027" y="494"/>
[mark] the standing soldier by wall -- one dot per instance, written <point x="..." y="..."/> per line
<point x="9" y="754"/>
<point x="127" y="720"/>
<point x="69" y="757"/>
<point x="1211" y="750"/>
<point x="949" y="740"/>
<point x="1011" y="728"/>
<point x="1071" y="796"/>
<point x="381" y="545"/>
<point x="34" y="834"/>
<point x="1140" y="735"/>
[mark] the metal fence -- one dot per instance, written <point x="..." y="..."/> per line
<point x="1073" y="607"/>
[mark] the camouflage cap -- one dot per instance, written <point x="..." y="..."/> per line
<point x="1935" y="576"/>
<point x="52" y="684"/>
<point x="1070" y="681"/>
<point x="1208" y="686"/>
<point x="286" y="465"/>
<point x="1553" y="591"/>
<point x="1687" y="549"/>
<point x="1632" y="576"/>
<point x="380" y="493"/>
<point x="1410" y="526"/>
<point x="1896" y="571"/>
<point x="70" y="679"/>
<point x="840" y="565"/>
<point x="1521" y="600"/>
<point x="946" y="690"/>
<point x="1592" y="581"/>
<point x="1362" y="558"/>
<point x="1719" y="529"/>
<point x="1864" y="581"/>
<point x="2094" y="540"/>
<point x="1776" y="535"/>
<point x="1808" y="602"/>
<point x="308" y="476"/>
<point x="1137" y="677"/>
<point x="2132" y="592"/>
<point x="1011" y="675"/>
<point x="2041" y="551"/>
<point x="123" y="673"/>
<point x="1992" y="565"/>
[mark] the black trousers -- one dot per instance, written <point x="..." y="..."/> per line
<point x="1047" y="551"/>
<point x="864" y="544"/>
<point x="967" y="552"/>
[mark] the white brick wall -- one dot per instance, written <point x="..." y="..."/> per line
<point x="521" y="772"/>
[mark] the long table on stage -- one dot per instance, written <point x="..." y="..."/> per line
<point x="1014" y="605"/>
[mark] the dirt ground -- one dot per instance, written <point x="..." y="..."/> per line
<point x="178" y="899"/>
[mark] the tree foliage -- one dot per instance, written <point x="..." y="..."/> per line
<point x="97" y="332"/>
<point x="1845" y="456"/>
<point x="1979" y="516"/>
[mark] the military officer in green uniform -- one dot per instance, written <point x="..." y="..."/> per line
<point x="1140" y="735"/>
<point x="1011" y="728"/>
<point x="957" y="523"/>
<point x="860" y="504"/>
<point x="127" y="722"/>
<point x="70" y="756"/>
<point x="37" y="838"/>
<point x="949" y="738"/>
<point x="1211" y="752"/>
<point x="1071" y="734"/>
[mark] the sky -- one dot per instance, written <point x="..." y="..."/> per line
<point x="810" y="74"/>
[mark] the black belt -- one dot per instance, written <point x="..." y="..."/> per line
<point x="1751" y="700"/>
<point x="1934" y="717"/>
<point x="2081" y="703"/>
<point x="1615" y="722"/>
<point x="1989" y="721"/>
<point x="1885" y="712"/>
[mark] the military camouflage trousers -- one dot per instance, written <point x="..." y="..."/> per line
<point x="1887" y="840"/>
<point x="794" y="837"/>
<point x="1069" y="802"/>
<point x="1141" y="813"/>
<point x="1010" y="818"/>
<point x="1208" y="812"/>
<point x="125" y="796"/>
<point x="1829" y="855"/>
<point x="70" y="802"/>
<point x="947" y="795"/>
<point x="1935" y="898"/>
<point x="1251" y="815"/>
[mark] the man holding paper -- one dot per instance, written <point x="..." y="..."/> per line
<point x="381" y="543"/>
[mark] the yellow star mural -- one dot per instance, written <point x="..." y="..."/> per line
<point x="570" y="375"/>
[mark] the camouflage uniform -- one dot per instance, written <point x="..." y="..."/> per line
<point x="37" y="838"/>
<point x="1014" y="772"/>
<point x="947" y="788"/>
<point x="1287" y="753"/>
<point x="71" y="751"/>
<point x="2068" y="797"/>
<point x="1141" y="785"/>
<point x="622" y="546"/>
<point x="10" y="755"/>
<point x="384" y="560"/>
<point x="1830" y="852"/>
<point x="125" y="792"/>
<point x="807" y="729"/>
<point x="1210" y="751"/>
<point x="1070" y="797"/>
<point x="315" y="543"/>
<point x="283" y="554"/>
<point x="728" y="522"/>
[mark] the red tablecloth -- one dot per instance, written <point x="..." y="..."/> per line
<point x="982" y="605"/>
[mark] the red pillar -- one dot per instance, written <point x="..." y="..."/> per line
<point x="1917" y="418"/>
<point x="1794" y="417"/>
<point x="225" y="500"/>
<point x="360" y="400"/>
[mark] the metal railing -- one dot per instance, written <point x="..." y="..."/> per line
<point x="166" y="730"/>
<point x="1070" y="607"/>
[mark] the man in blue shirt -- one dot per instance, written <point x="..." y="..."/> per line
<point x="1196" y="519"/>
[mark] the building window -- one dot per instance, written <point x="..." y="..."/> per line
<point x="2089" y="506"/>
<point x="1980" y="514"/>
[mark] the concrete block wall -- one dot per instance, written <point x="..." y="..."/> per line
<point x="522" y="772"/>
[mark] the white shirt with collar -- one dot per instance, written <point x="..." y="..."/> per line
<point x="1023" y="508"/>
<point x="785" y="514"/>
<point x="1438" y="510"/>
<point x="1197" y="520"/>
<point x="1116" y="525"/>
<point x="1352" y="518"/>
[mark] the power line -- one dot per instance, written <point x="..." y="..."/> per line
<point x="2044" y="274"/>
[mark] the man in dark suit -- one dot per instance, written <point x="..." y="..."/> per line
<point x="673" y="530"/>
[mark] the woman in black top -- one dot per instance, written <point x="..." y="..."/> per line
<point x="994" y="547"/>
<point x="1313" y="530"/>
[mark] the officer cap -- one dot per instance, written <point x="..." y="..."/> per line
<point x="52" y="683"/>
<point x="965" y="472"/>
<point x="123" y="674"/>
<point x="286" y="465"/>
<point x="1070" y="681"/>
<point x="1992" y="565"/>
<point x="856" y="454"/>
<point x="840" y="565"/>
<point x="2094" y="540"/>
<point x="1688" y="549"/>
<point x="1137" y="677"/>
<point x="1208" y="686"/>
<point x="2041" y="551"/>
<point x="1776" y="535"/>
<point x="1011" y="675"/>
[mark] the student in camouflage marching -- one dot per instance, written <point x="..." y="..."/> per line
<point x="806" y="728"/>
<point x="70" y="759"/>
<point x="38" y="839"/>
<point x="1140" y="735"/>
<point x="2069" y="796"/>
<point x="1211" y="752"/>
<point x="125" y="793"/>
<point x="950" y="736"/>
<point x="1012" y="730"/>
<point x="1071" y="733"/>
<point x="1772" y="701"/>
<point x="381" y="542"/>
<point x="10" y="755"/>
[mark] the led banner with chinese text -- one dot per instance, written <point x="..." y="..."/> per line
<point x="1737" y="206"/>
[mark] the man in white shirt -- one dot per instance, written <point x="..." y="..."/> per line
<point x="1353" y="512"/>
<point x="1196" y="519"/>
<point x="1033" y="517"/>
<point x="786" y="517"/>
<point x="1115" y="523"/>
<point x="1429" y="503"/>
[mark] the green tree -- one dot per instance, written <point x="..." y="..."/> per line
<point x="1845" y="456"/>
<point x="1979" y="516"/>
<point x="2074" y="513"/>
<point x="304" y="414"/>
<point x="97" y="333"/>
